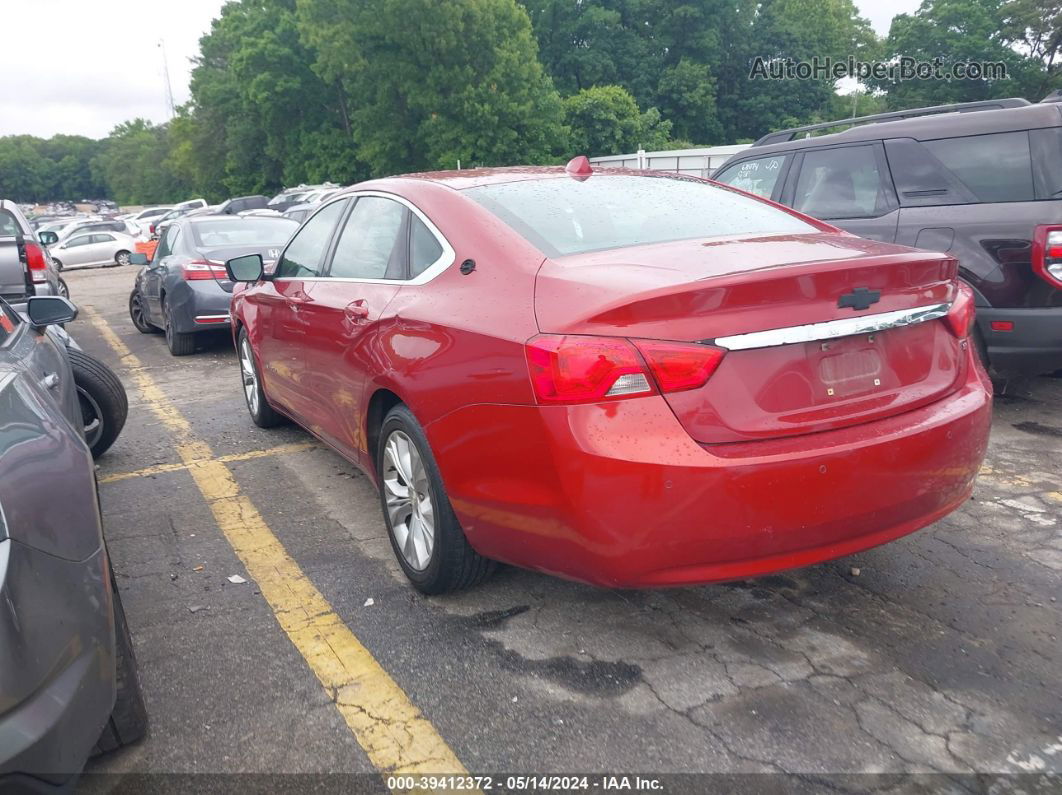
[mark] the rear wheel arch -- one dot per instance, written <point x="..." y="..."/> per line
<point x="381" y="402"/>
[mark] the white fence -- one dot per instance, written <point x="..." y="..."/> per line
<point x="699" y="162"/>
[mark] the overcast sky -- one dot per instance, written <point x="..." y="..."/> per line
<point x="78" y="67"/>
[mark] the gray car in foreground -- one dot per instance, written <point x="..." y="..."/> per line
<point x="185" y="289"/>
<point x="68" y="682"/>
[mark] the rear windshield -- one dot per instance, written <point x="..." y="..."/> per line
<point x="566" y="216"/>
<point x="270" y="232"/>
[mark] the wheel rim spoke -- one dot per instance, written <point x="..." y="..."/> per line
<point x="407" y="497"/>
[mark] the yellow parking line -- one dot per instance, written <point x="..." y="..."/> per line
<point x="159" y="469"/>
<point x="396" y="737"/>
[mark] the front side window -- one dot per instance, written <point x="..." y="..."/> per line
<point x="562" y="216"/>
<point x="368" y="246"/>
<point x="996" y="167"/>
<point x="9" y="322"/>
<point x="841" y="183"/>
<point x="757" y="176"/>
<point x="305" y="254"/>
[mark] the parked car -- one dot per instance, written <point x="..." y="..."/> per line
<point x="300" y="212"/>
<point x="191" y="204"/>
<point x="26" y="268"/>
<point x="980" y="181"/>
<point x="158" y="227"/>
<point x="300" y="194"/>
<point x="91" y="225"/>
<point x="185" y="289"/>
<point x="68" y="674"/>
<point x="87" y="249"/>
<point x="241" y="204"/>
<point x="142" y="220"/>
<point x="625" y="379"/>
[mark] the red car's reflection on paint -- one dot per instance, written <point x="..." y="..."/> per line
<point x="622" y="378"/>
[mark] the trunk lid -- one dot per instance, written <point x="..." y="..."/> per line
<point x="698" y="291"/>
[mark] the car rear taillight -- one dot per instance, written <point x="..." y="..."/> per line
<point x="961" y="315"/>
<point x="36" y="263"/>
<point x="151" y="229"/>
<point x="678" y="366"/>
<point x="203" y="270"/>
<point x="1047" y="254"/>
<point x="580" y="369"/>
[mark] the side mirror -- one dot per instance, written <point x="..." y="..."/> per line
<point x="48" y="238"/>
<point x="49" y="310"/>
<point x="248" y="268"/>
<point x="138" y="259"/>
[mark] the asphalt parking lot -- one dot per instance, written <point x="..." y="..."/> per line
<point x="938" y="653"/>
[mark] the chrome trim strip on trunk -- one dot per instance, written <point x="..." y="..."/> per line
<point x="831" y="329"/>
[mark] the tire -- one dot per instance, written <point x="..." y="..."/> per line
<point x="57" y="263"/>
<point x="262" y="414"/>
<point x="128" y="721"/>
<point x="121" y="257"/>
<point x="64" y="291"/>
<point x="104" y="404"/>
<point x="139" y="316"/>
<point x="450" y="564"/>
<point x="179" y="344"/>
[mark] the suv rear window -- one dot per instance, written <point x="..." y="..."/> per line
<point x="995" y="167"/>
<point x="565" y="216"/>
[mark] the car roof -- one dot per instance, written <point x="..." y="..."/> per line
<point x="478" y="177"/>
<point x="926" y="128"/>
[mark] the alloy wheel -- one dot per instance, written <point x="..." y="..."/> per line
<point x="408" y="497"/>
<point x="122" y="258"/>
<point x="91" y="416"/>
<point x="250" y="376"/>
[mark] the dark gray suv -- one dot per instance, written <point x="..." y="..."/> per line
<point x="981" y="181"/>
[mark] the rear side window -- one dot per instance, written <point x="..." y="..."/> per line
<point x="368" y="246"/>
<point x="995" y="167"/>
<point x="424" y="248"/>
<point x="305" y="253"/>
<point x="1046" y="145"/>
<point x="757" y="176"/>
<point x="566" y="216"/>
<point x="842" y="183"/>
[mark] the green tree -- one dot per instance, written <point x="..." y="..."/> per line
<point x="134" y="164"/>
<point x="605" y="120"/>
<point x="433" y="82"/>
<point x="971" y="30"/>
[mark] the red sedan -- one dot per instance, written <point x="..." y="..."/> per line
<point x="624" y="378"/>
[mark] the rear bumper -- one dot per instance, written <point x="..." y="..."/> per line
<point x="62" y="653"/>
<point x="619" y="494"/>
<point x="1034" y="345"/>
<point x="199" y="306"/>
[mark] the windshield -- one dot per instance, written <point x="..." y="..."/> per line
<point x="568" y="216"/>
<point x="267" y="232"/>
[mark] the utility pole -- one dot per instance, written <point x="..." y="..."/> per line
<point x="166" y="77"/>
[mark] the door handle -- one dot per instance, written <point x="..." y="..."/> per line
<point x="357" y="311"/>
<point x="50" y="381"/>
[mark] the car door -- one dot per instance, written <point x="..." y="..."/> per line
<point x="77" y="250"/>
<point x="763" y="176"/>
<point x="284" y="329"/>
<point x="367" y="266"/>
<point x="104" y="245"/>
<point x="153" y="276"/>
<point x="849" y="186"/>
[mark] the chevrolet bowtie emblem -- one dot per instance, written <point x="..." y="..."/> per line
<point x="859" y="298"/>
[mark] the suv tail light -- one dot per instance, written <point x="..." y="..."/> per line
<point x="36" y="262"/>
<point x="203" y="270"/>
<point x="1047" y="254"/>
<point x="582" y="369"/>
<point x="961" y="315"/>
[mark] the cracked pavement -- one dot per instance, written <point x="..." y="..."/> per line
<point x="938" y="653"/>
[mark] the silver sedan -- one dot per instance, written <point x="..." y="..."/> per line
<point x="93" y="248"/>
